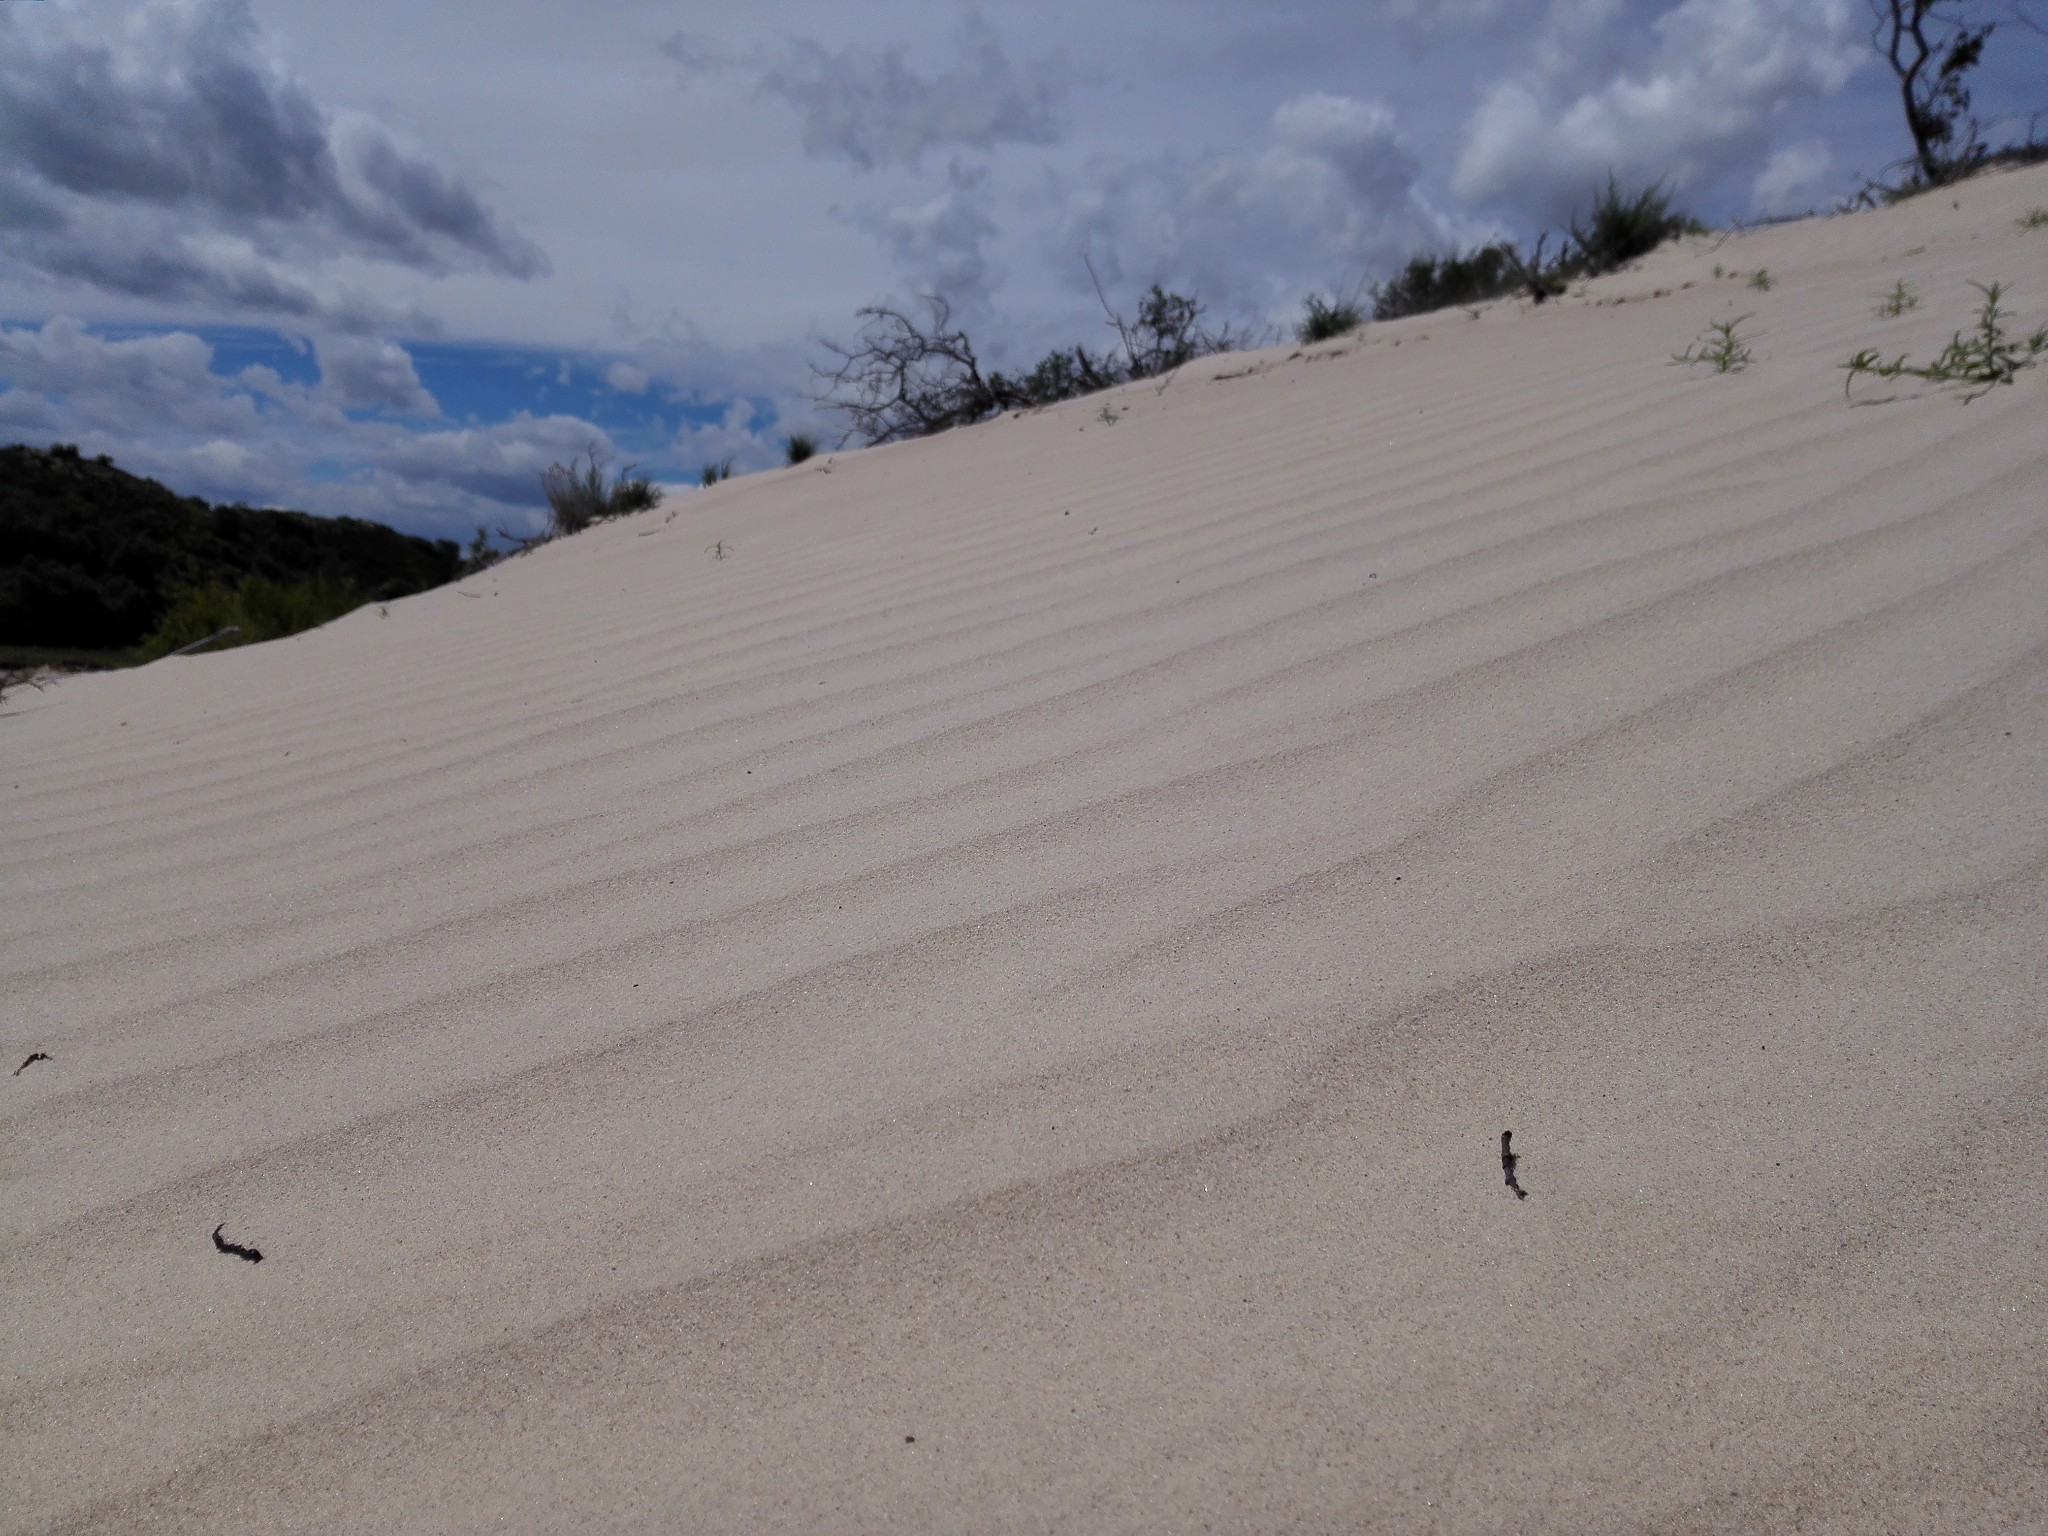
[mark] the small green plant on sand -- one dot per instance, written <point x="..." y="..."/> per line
<point x="713" y="473"/>
<point x="1898" y="301"/>
<point x="1981" y="359"/>
<point x="1109" y="415"/>
<point x="2033" y="218"/>
<point x="1760" y="280"/>
<point x="1719" y="346"/>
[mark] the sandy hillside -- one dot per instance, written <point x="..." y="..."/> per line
<point x="992" y="1006"/>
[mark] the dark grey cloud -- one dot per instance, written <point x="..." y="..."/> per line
<point x="171" y="160"/>
<point x="871" y="108"/>
<point x="940" y="243"/>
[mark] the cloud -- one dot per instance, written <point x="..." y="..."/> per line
<point x="147" y="384"/>
<point x="1790" y="177"/>
<point x="364" y="373"/>
<point x="870" y="108"/>
<point x="171" y="160"/>
<point x="1329" y="199"/>
<point x="1688" y="98"/>
<point x="499" y="463"/>
<point x="626" y="379"/>
<point x="939" y="243"/>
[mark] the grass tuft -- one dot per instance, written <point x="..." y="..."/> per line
<point x="1898" y="301"/>
<point x="1981" y="359"/>
<point x="799" y="446"/>
<point x="1621" y="228"/>
<point x="1760" y="280"/>
<point x="713" y="472"/>
<point x="1327" y="318"/>
<point x="2033" y="218"/>
<point x="1719" y="347"/>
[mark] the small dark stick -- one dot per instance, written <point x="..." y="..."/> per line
<point x="253" y="1255"/>
<point x="34" y="1057"/>
<point x="1507" y="1166"/>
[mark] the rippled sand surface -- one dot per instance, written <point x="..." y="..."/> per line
<point x="992" y="1006"/>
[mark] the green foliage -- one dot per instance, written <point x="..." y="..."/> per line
<point x="90" y="555"/>
<point x="1621" y="228"/>
<point x="1324" y="318"/>
<point x="1719" y="347"/>
<point x="1982" y="359"/>
<point x="1898" y="301"/>
<point x="1760" y="280"/>
<point x="2033" y="218"/>
<point x="799" y="446"/>
<point x="260" y="608"/>
<point x="1441" y="282"/>
<point x="712" y="473"/>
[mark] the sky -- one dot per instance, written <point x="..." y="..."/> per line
<point x="392" y="260"/>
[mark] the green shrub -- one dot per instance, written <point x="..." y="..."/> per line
<point x="1719" y="347"/>
<point x="799" y="446"/>
<point x="260" y="608"/>
<point x="1621" y="228"/>
<point x="712" y="473"/>
<point x="1442" y="282"/>
<point x="1982" y="359"/>
<point x="1324" y="318"/>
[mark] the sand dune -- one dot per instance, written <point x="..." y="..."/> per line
<point x="992" y="1006"/>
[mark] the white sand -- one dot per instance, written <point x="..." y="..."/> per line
<point x="1034" y="952"/>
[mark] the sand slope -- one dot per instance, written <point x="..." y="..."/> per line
<point x="992" y="1007"/>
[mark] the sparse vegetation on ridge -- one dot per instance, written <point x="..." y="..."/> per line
<point x="1323" y="319"/>
<point x="1618" y="228"/>
<point x="912" y="376"/>
<point x="1898" y="301"/>
<point x="799" y="446"/>
<point x="578" y="498"/>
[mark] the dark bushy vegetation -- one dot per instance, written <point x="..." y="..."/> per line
<point x="911" y="376"/>
<point x="1619" y="228"/>
<point x="1444" y="282"/>
<point x="798" y="447"/>
<point x="1326" y="318"/>
<point x="92" y="558"/>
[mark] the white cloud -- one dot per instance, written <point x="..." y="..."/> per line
<point x="148" y="384"/>
<point x="1686" y="99"/>
<point x="361" y="373"/>
<point x="500" y="463"/>
<point x="626" y="379"/>
<point x="1791" y="177"/>
<point x="1330" y="198"/>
